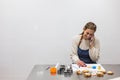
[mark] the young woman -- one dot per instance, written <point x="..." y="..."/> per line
<point x="86" y="47"/>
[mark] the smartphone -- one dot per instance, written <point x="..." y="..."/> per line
<point x="91" y="38"/>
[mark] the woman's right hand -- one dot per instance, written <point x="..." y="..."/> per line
<point x="80" y="63"/>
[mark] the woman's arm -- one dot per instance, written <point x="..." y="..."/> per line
<point x="94" y="51"/>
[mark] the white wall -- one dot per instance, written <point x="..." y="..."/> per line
<point x="40" y="32"/>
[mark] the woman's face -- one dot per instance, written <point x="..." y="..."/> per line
<point x="88" y="33"/>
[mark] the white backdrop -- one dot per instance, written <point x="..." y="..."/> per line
<point x="40" y="32"/>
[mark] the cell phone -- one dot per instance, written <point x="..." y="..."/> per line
<point x="91" y="38"/>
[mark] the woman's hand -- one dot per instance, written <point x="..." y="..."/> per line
<point x="80" y="63"/>
<point x="92" y="42"/>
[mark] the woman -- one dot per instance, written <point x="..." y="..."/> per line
<point x="86" y="47"/>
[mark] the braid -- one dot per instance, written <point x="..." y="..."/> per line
<point x="80" y="39"/>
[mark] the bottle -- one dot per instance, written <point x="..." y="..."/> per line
<point x="53" y="70"/>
